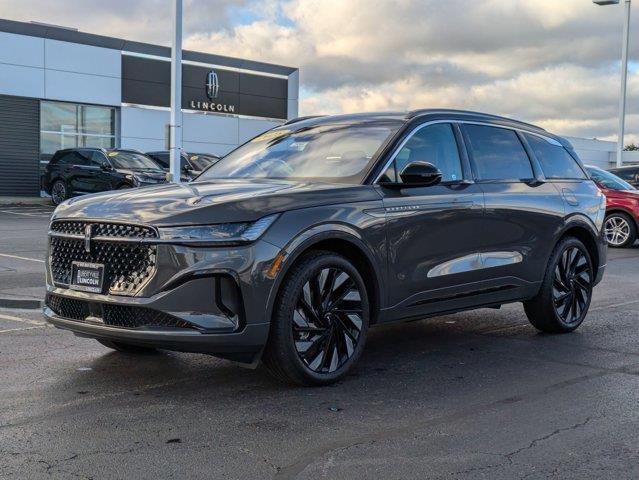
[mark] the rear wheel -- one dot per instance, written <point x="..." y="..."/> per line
<point x="620" y="230"/>
<point x="566" y="291"/>
<point x="126" y="348"/>
<point x="59" y="192"/>
<point x="320" y="321"/>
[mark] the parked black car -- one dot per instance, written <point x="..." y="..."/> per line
<point x="192" y="164"/>
<point x="76" y="171"/>
<point x="629" y="173"/>
<point x="291" y="246"/>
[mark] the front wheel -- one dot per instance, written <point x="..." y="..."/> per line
<point x="320" y="321"/>
<point x="564" y="298"/>
<point x="620" y="230"/>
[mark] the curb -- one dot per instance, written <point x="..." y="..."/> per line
<point x="21" y="303"/>
<point x="24" y="202"/>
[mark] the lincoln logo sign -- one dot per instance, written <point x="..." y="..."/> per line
<point x="212" y="85"/>
<point x="212" y="90"/>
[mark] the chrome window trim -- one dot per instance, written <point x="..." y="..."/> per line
<point x="552" y="141"/>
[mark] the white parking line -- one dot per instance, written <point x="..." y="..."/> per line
<point x="21" y="258"/>
<point x="614" y="305"/>
<point x="38" y="215"/>
<point x="11" y="318"/>
<point x="8" y="330"/>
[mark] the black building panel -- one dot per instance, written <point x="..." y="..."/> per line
<point x="19" y="146"/>
<point x="263" y="106"/>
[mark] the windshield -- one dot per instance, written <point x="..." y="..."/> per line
<point x="339" y="153"/>
<point x="132" y="161"/>
<point x="608" y="180"/>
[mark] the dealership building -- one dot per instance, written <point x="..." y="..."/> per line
<point x="60" y="88"/>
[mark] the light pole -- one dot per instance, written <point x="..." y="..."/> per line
<point x="624" y="73"/>
<point x="175" y="125"/>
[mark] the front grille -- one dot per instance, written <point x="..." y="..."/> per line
<point x="128" y="266"/>
<point x="121" y="230"/>
<point x="122" y="316"/>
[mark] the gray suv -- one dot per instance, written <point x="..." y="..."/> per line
<point x="288" y="249"/>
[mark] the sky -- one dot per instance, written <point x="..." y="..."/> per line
<point x="555" y="63"/>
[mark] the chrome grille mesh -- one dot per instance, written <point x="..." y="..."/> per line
<point x="128" y="266"/>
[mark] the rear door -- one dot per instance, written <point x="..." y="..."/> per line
<point x="85" y="172"/>
<point x="523" y="212"/>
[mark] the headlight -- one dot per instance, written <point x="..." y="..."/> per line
<point x="220" y="233"/>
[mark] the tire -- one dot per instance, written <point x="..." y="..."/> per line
<point x="59" y="192"/>
<point x="313" y="340"/>
<point x="566" y="291"/>
<point x="620" y="230"/>
<point x="127" y="348"/>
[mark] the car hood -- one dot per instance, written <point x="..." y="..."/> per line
<point x="211" y="201"/>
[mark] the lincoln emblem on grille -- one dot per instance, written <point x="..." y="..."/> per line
<point x="87" y="238"/>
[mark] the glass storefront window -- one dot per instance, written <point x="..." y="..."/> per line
<point x="68" y="125"/>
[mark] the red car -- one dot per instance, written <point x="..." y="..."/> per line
<point x="622" y="208"/>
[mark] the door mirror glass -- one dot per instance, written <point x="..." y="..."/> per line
<point x="420" y="174"/>
<point x="105" y="166"/>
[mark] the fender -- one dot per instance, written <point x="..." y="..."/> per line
<point x="578" y="220"/>
<point x="312" y="236"/>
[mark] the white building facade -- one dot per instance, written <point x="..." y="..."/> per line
<point x="60" y="88"/>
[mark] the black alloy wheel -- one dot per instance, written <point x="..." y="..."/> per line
<point x="327" y="320"/>
<point x="59" y="192"/>
<point x="572" y="285"/>
<point x="566" y="291"/>
<point x="320" y="321"/>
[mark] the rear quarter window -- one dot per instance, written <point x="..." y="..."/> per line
<point x="555" y="161"/>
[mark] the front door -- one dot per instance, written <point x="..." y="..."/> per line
<point x="433" y="245"/>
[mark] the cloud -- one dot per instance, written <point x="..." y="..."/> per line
<point x="550" y="62"/>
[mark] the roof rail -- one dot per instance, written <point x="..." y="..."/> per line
<point x="425" y="111"/>
<point x="299" y="119"/>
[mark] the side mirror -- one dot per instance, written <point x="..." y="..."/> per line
<point x="186" y="167"/>
<point x="420" y="174"/>
<point x="106" y="167"/>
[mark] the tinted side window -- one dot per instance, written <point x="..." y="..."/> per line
<point x="60" y="159"/>
<point x="162" y="159"/>
<point x="498" y="153"/>
<point x="81" y="158"/>
<point x="98" y="158"/>
<point x="555" y="161"/>
<point x="627" y="174"/>
<point x="435" y="144"/>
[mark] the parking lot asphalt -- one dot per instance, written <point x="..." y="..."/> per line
<point x="472" y="395"/>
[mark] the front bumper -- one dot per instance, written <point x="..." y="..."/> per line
<point x="244" y="346"/>
<point x="214" y="300"/>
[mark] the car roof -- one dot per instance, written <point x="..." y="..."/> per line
<point x="422" y="114"/>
